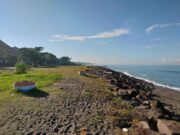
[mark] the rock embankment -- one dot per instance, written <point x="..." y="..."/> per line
<point x="141" y="95"/>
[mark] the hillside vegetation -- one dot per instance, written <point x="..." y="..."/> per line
<point x="34" y="57"/>
<point x="8" y="55"/>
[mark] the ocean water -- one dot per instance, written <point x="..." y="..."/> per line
<point x="161" y="75"/>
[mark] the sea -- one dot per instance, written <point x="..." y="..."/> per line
<point x="161" y="75"/>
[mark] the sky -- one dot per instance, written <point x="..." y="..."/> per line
<point x="140" y="32"/>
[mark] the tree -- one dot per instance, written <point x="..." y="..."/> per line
<point x="38" y="49"/>
<point x="34" y="57"/>
<point x="29" y="56"/>
<point x="49" y="59"/>
<point x="65" y="60"/>
<point x="7" y="59"/>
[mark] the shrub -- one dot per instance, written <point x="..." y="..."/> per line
<point x="21" y="68"/>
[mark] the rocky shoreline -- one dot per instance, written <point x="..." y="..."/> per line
<point x="98" y="101"/>
<point x="157" y="105"/>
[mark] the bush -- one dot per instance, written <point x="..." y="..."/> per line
<point x="21" y="68"/>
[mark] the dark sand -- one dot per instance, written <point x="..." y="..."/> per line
<point x="168" y="96"/>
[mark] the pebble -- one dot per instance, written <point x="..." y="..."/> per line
<point x="125" y="130"/>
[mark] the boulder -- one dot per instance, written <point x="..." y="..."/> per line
<point x="168" y="127"/>
<point x="132" y="92"/>
<point x="168" y="110"/>
<point x="146" y="102"/>
<point x="154" y="113"/>
<point x="154" y="104"/>
<point x="134" y="103"/>
<point x="125" y="86"/>
<point x="143" y="124"/>
<point x="143" y="107"/>
<point x="122" y="92"/>
<point x="142" y="131"/>
<point x="107" y="72"/>
<point x="114" y="88"/>
<point x="148" y="93"/>
<point x="113" y="81"/>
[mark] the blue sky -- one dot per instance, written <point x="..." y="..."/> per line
<point x="96" y="31"/>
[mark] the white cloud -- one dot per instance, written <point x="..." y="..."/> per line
<point x="151" y="28"/>
<point x="155" y="26"/>
<point x="111" y="34"/>
<point x="114" y="33"/>
<point x="65" y="37"/>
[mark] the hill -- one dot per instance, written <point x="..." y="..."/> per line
<point x="7" y="54"/>
<point x="6" y="49"/>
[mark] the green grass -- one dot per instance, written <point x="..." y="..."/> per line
<point x="117" y="100"/>
<point x="41" y="77"/>
<point x="88" y="94"/>
<point x="96" y="119"/>
<point x="7" y="79"/>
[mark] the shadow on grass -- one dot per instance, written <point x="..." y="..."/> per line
<point x="37" y="93"/>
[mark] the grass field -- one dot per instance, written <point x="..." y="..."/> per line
<point x="42" y="76"/>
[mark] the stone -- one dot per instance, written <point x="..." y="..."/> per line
<point x="154" y="113"/>
<point x="154" y="104"/>
<point x="142" y="131"/>
<point x="143" y="124"/>
<point x="134" y="103"/>
<point x="83" y="131"/>
<point x="133" y="92"/>
<point x="125" y="129"/>
<point x="96" y="133"/>
<point x="124" y="86"/>
<point x="168" y="110"/>
<point x="143" y="107"/>
<point x="122" y="92"/>
<point x="107" y="72"/>
<point x="29" y="133"/>
<point x="168" y="127"/>
<point x="118" y="131"/>
<point x="67" y="128"/>
<point x="148" y="94"/>
<point x="146" y="102"/>
<point x="115" y="88"/>
<point x="55" y="129"/>
<point x="113" y="81"/>
<point x="138" y="86"/>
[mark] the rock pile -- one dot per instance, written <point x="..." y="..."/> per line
<point x="140" y="94"/>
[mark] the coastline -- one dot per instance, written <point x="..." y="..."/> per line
<point x="147" y="80"/>
<point x="167" y="96"/>
<point x="153" y="82"/>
